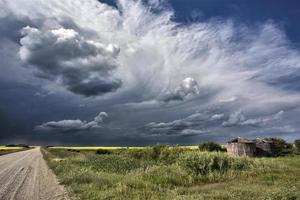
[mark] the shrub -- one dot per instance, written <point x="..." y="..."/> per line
<point x="281" y="146"/>
<point x="297" y="144"/>
<point x="103" y="151"/>
<point x="158" y="149"/>
<point x="170" y="154"/>
<point x="210" y="146"/>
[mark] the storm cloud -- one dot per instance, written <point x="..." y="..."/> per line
<point x="61" y="55"/>
<point x="154" y="74"/>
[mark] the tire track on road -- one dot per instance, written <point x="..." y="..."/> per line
<point x="26" y="176"/>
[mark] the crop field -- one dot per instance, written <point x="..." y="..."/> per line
<point x="9" y="148"/>
<point x="109" y="147"/>
<point x="6" y="150"/>
<point x="165" y="173"/>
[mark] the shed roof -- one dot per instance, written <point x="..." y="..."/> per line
<point x="259" y="140"/>
<point x="241" y="140"/>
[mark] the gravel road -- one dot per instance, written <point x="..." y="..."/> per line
<point x="25" y="176"/>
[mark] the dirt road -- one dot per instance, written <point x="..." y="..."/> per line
<point x="25" y="176"/>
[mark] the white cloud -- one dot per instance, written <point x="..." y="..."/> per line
<point x="238" y="119"/>
<point x="226" y="100"/>
<point x="217" y="116"/>
<point x="194" y="124"/>
<point x="263" y="120"/>
<point x="73" y="125"/>
<point x="101" y="117"/>
<point x="192" y="132"/>
<point x="187" y="89"/>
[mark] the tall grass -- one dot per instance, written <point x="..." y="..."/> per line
<point x="214" y="166"/>
<point x="165" y="172"/>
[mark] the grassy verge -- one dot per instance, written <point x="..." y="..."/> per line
<point x="6" y="150"/>
<point x="163" y="173"/>
<point x="10" y="148"/>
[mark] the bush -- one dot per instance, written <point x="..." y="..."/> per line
<point x="297" y="144"/>
<point x="169" y="154"/>
<point x="103" y="151"/>
<point x="281" y="146"/>
<point x="210" y="146"/>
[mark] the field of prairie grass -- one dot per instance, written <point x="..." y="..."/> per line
<point x="162" y="172"/>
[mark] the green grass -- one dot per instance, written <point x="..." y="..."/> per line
<point x="174" y="173"/>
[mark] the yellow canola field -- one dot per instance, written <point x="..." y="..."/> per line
<point x="9" y="148"/>
<point x="108" y="147"/>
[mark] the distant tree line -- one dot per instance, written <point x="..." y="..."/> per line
<point x="18" y="145"/>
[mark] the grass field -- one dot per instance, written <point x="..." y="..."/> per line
<point x="176" y="173"/>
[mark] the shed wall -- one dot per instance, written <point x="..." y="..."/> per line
<point x="265" y="149"/>
<point x="241" y="149"/>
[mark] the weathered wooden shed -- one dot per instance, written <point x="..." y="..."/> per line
<point x="265" y="147"/>
<point x="241" y="147"/>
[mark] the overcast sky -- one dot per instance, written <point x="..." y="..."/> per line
<point x="87" y="72"/>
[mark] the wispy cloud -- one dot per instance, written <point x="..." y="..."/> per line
<point x="201" y="123"/>
<point x="238" y="119"/>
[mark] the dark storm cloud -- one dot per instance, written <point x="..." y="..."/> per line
<point x="10" y="27"/>
<point x="73" y="125"/>
<point x="82" y="66"/>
